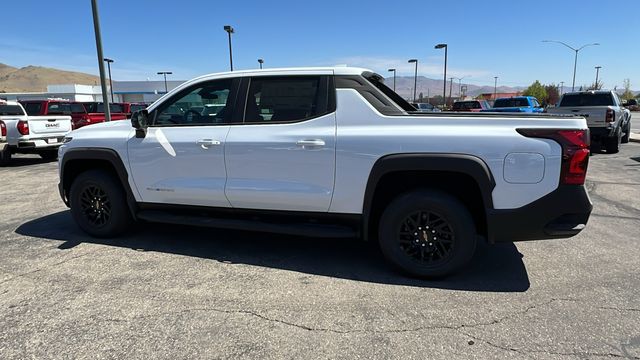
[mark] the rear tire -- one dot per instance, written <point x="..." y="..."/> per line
<point x="99" y="204"/>
<point x="5" y="156"/>
<point x="49" y="155"/>
<point x="612" y="144"/>
<point x="427" y="234"/>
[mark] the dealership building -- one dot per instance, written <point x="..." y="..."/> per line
<point x="123" y="91"/>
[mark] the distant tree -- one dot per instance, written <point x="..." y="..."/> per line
<point x="536" y="90"/>
<point x="627" y="94"/>
<point x="421" y="99"/>
<point x="595" y="86"/>
<point x="553" y="95"/>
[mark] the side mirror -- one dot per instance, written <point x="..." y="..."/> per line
<point x="140" y="122"/>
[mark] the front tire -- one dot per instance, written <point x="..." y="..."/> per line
<point x="627" y="133"/>
<point x="427" y="234"/>
<point x="99" y="205"/>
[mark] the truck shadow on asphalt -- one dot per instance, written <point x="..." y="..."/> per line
<point x="496" y="268"/>
<point x="22" y="161"/>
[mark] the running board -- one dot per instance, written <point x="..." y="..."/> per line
<point x="298" y="229"/>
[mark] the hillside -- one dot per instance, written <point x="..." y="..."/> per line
<point x="432" y="87"/>
<point x="36" y="78"/>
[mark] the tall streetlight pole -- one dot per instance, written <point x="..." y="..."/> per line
<point x="165" y="73"/>
<point x="495" y="87"/>
<point x="575" y="62"/>
<point x="103" y="83"/>
<point x="260" y="61"/>
<point x="394" y="79"/>
<point x="415" y="78"/>
<point x="450" y="89"/>
<point x="444" y="88"/>
<point x="597" y="73"/>
<point x="229" y="30"/>
<point x="109" y="61"/>
<point x="561" y="87"/>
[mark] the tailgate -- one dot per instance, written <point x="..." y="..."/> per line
<point x="48" y="125"/>
<point x="595" y="115"/>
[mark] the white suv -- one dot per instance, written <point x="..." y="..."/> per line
<point x="331" y="152"/>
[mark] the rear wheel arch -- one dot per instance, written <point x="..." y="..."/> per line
<point x="77" y="161"/>
<point x="466" y="177"/>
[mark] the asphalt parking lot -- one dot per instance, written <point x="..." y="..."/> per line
<point x="178" y="292"/>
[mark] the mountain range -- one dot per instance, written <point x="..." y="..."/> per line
<point x="36" y="78"/>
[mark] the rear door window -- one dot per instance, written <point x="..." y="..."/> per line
<point x="284" y="99"/>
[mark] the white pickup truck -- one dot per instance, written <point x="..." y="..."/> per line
<point x="25" y="134"/>
<point x="331" y="152"/>
<point x="609" y="122"/>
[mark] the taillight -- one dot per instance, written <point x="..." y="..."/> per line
<point x="3" y="129"/>
<point x="23" y="127"/>
<point x="575" y="151"/>
<point x="610" y="116"/>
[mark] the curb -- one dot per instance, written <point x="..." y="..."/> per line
<point x="634" y="138"/>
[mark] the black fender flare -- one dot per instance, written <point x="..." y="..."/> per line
<point x="456" y="163"/>
<point x="102" y="154"/>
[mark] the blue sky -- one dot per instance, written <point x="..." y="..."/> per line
<point x="486" y="39"/>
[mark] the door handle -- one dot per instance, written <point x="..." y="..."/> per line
<point x="206" y="143"/>
<point x="310" y="143"/>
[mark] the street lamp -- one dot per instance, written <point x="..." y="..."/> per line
<point x="260" y="61"/>
<point x="444" y="90"/>
<point x="597" y="73"/>
<point x="561" y="87"/>
<point x="394" y="79"/>
<point x="495" y="88"/>
<point x="103" y="85"/>
<point x="109" y="61"/>
<point x="229" y="30"/>
<point x="165" y="73"/>
<point x="415" y="78"/>
<point x="575" y="63"/>
<point x="450" y="89"/>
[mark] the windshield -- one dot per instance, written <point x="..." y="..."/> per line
<point x="587" y="99"/>
<point x="11" y="110"/>
<point x="59" y="109"/>
<point x="512" y="102"/>
<point x="99" y="108"/>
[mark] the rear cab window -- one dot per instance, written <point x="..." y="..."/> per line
<point x="8" y="110"/>
<point x="33" y="108"/>
<point x="587" y="99"/>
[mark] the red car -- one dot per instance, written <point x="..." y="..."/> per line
<point x="47" y="107"/>
<point x="471" y="105"/>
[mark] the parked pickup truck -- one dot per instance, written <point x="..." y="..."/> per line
<point x="26" y="134"/>
<point x="88" y="113"/>
<point x="609" y="122"/>
<point x="521" y="104"/>
<point x="331" y="152"/>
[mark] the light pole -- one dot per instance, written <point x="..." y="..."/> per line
<point x="229" y="30"/>
<point x="575" y="63"/>
<point x="165" y="73"/>
<point x="450" y="89"/>
<point x="394" y="79"/>
<point x="561" y="87"/>
<point x="444" y="89"/>
<point x="597" y="73"/>
<point x="109" y="61"/>
<point x="415" y="78"/>
<point x="495" y="87"/>
<point x="103" y="84"/>
<point x="260" y="61"/>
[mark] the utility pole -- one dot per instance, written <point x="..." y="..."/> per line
<point x="450" y="89"/>
<point x="495" y="87"/>
<point x="561" y="87"/>
<point x="103" y="83"/>
<point x="597" y="73"/>
<point x="415" y="78"/>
